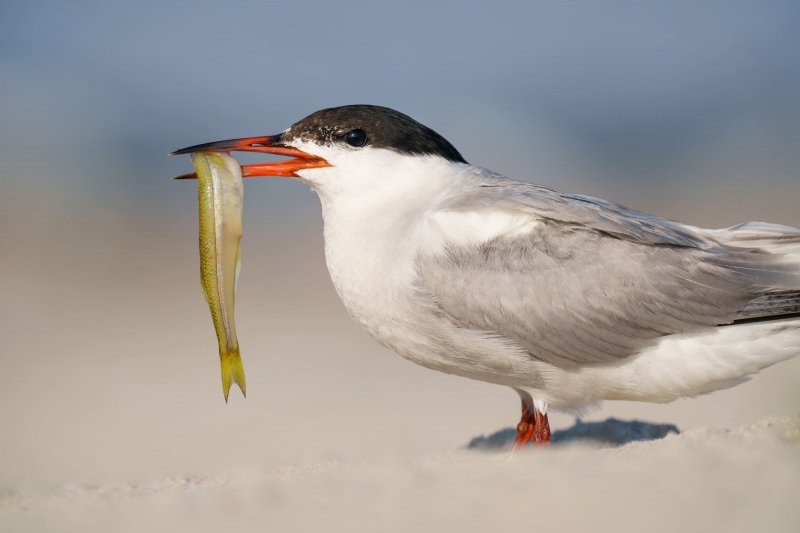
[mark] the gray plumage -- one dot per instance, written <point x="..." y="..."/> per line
<point x="598" y="282"/>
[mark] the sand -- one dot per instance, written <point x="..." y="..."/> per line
<point x="700" y="480"/>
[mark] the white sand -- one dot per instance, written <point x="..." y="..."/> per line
<point x="702" y="480"/>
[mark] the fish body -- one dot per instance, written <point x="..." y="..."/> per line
<point x="220" y="197"/>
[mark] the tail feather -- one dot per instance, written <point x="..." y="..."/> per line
<point x="771" y="238"/>
<point x="232" y="372"/>
<point x="769" y="254"/>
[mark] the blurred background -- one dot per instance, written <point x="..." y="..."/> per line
<point x="684" y="109"/>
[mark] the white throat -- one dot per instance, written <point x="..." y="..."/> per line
<point x="375" y="207"/>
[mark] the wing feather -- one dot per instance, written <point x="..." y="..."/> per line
<point x="596" y="282"/>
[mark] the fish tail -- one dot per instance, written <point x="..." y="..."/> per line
<point x="232" y="372"/>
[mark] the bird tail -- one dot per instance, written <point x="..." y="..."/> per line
<point x="232" y="372"/>
<point x="767" y="254"/>
<point x="769" y="238"/>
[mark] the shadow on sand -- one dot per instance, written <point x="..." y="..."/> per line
<point x="608" y="433"/>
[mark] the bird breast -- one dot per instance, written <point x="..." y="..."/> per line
<point x="370" y="257"/>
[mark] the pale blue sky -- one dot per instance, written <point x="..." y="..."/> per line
<point x="583" y="93"/>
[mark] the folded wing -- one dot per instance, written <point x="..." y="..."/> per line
<point x="597" y="282"/>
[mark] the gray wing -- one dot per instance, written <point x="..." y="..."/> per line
<point x="597" y="283"/>
<point x="494" y="190"/>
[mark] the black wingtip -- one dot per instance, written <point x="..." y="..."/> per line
<point x="767" y="318"/>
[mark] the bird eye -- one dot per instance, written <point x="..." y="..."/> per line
<point x="356" y="138"/>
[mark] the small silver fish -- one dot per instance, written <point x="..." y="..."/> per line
<point x="220" y="195"/>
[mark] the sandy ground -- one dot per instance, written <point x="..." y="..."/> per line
<point x="114" y="420"/>
<point x="700" y="480"/>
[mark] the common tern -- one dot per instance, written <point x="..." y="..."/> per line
<point x="568" y="299"/>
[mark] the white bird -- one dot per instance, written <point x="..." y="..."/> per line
<point x="569" y="300"/>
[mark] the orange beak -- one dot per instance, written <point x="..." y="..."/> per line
<point x="267" y="145"/>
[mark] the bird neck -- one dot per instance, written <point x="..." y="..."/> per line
<point x="373" y="232"/>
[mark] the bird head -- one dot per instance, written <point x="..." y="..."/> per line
<point x="345" y="147"/>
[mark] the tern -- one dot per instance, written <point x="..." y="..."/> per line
<point x="569" y="300"/>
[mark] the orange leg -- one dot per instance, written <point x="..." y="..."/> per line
<point x="541" y="431"/>
<point x="533" y="427"/>
<point x="525" y="428"/>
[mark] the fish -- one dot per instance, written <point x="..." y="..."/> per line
<point x="220" y="198"/>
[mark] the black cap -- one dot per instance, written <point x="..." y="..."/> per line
<point x="384" y="128"/>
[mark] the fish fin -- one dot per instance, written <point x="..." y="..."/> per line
<point x="203" y="288"/>
<point x="232" y="372"/>
<point x="238" y="269"/>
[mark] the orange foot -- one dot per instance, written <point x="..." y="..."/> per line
<point x="533" y="427"/>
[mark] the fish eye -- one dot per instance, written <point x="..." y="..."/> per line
<point x="356" y="138"/>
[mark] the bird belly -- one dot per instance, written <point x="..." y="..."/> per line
<point x="680" y="366"/>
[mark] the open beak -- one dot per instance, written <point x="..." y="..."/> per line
<point x="267" y="145"/>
